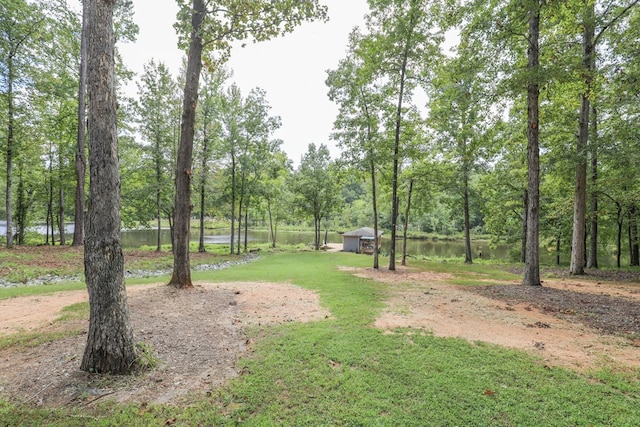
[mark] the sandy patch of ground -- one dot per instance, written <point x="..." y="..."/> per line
<point x="453" y="311"/>
<point x="197" y="336"/>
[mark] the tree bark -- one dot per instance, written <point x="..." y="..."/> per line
<point x="81" y="162"/>
<point x="272" y="231"/>
<point x="468" y="259"/>
<point x="318" y="225"/>
<point x="406" y="225"/>
<point x="110" y="346"/>
<point x="580" y="194"/>
<point x="376" y="251"/>
<point x="181" y="277"/>
<point x="592" y="260"/>
<point x="634" y="250"/>
<point x="240" y="206"/>
<point x="203" y="181"/>
<point x="246" y="225"/>
<point x="61" y="220"/>
<point x="233" y="202"/>
<point x="532" y="258"/>
<point x="9" y="152"/>
<point x="51" y="220"/>
<point x="396" y="155"/>
<point x="22" y="207"/>
<point x="619" y="220"/>
<point x="523" y="243"/>
<point x="61" y="212"/>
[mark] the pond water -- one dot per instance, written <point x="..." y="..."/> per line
<point x="428" y="248"/>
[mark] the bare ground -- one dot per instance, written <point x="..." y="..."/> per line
<point x="198" y="335"/>
<point x="578" y="324"/>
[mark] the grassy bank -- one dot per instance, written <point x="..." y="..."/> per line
<point x="342" y="371"/>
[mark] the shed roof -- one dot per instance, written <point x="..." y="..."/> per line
<point x="363" y="232"/>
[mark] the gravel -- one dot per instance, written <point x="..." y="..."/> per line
<point x="51" y="279"/>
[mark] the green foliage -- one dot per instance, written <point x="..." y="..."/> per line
<point x="78" y="310"/>
<point x="244" y="20"/>
<point x="314" y="185"/>
<point x="146" y="359"/>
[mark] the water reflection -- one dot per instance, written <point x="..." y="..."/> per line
<point x="418" y="248"/>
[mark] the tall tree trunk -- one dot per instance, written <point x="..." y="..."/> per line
<point x="110" y="346"/>
<point x="272" y="231"/>
<point x="61" y="220"/>
<point x="246" y="225"/>
<point x="61" y="213"/>
<point x="396" y="157"/>
<point x="51" y="219"/>
<point x="233" y="201"/>
<point x="318" y="226"/>
<point x="372" y="171"/>
<point x="326" y="232"/>
<point x="81" y="162"/>
<point x="532" y="258"/>
<point x="48" y="218"/>
<point x="21" y="208"/>
<point x="181" y="277"/>
<point x="592" y="260"/>
<point x="240" y="203"/>
<point x="201" y="247"/>
<point x="620" y="221"/>
<point x="159" y="222"/>
<point x="467" y="222"/>
<point x="558" y="237"/>
<point x="9" y="152"/>
<point x="203" y="181"/>
<point x="406" y="225"/>
<point x="170" y="217"/>
<point x="523" y="240"/>
<point x="634" y="252"/>
<point x="376" y="243"/>
<point x="580" y="194"/>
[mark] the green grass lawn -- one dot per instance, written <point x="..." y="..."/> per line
<point x="342" y="371"/>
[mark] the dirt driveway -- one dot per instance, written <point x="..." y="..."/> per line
<point x="198" y="335"/>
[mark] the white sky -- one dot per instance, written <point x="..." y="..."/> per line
<point x="291" y="69"/>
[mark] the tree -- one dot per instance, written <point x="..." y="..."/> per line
<point x="402" y="35"/>
<point x="459" y="115"/>
<point x="315" y="187"/>
<point x="231" y="114"/>
<point x="503" y="26"/>
<point x="210" y="127"/>
<point x="156" y="91"/>
<point x="212" y="31"/>
<point x="532" y="256"/>
<point x="19" y="26"/>
<point x="110" y="346"/>
<point x="590" y="38"/>
<point x="56" y="83"/>
<point x="357" y="126"/>
<point x="255" y="150"/>
<point x="80" y="157"/>
<point x="275" y="192"/>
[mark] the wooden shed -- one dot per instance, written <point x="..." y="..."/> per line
<point x="360" y="241"/>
